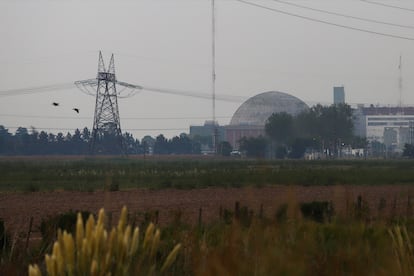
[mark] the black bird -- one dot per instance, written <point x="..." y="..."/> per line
<point x="55" y="104"/>
<point x="76" y="109"/>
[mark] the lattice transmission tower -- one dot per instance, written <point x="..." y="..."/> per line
<point x="106" y="135"/>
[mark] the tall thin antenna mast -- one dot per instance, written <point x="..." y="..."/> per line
<point x="400" y="85"/>
<point x="213" y="74"/>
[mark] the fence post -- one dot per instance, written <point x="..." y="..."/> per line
<point x="237" y="210"/>
<point x="200" y="217"/>
<point x="394" y="208"/>
<point x="28" y="233"/>
<point x="261" y="211"/>
<point x="221" y="212"/>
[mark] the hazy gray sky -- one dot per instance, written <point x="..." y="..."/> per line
<point x="167" y="44"/>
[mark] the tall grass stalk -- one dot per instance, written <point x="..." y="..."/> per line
<point x="402" y="249"/>
<point x="95" y="251"/>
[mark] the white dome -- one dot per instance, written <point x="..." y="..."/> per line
<point x="257" y="109"/>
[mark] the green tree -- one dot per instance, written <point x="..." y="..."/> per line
<point x="279" y="127"/>
<point x="161" y="145"/>
<point x="224" y="148"/>
<point x="330" y="126"/>
<point x="86" y="135"/>
<point x="43" y="143"/>
<point x="131" y="144"/>
<point x="147" y="143"/>
<point x="180" y="144"/>
<point x="359" y="142"/>
<point x="22" y="139"/>
<point x="337" y="124"/>
<point x="254" y="146"/>
<point x="5" y="141"/>
<point x="299" y="146"/>
<point x="408" y="150"/>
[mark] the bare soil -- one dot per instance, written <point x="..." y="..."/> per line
<point x="17" y="208"/>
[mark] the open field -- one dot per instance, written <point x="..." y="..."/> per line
<point x="87" y="174"/>
<point x="368" y="197"/>
<point x="16" y="208"/>
<point x="41" y="187"/>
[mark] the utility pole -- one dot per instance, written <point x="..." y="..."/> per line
<point x="400" y="86"/>
<point x="213" y="77"/>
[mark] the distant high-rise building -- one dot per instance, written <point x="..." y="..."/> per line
<point x="339" y="94"/>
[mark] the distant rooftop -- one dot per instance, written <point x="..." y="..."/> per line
<point x="387" y="110"/>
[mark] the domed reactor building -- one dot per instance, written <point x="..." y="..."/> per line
<point x="250" y="118"/>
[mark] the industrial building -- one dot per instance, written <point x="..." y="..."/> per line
<point x="391" y="126"/>
<point x="204" y="134"/>
<point x="338" y="95"/>
<point x="250" y="118"/>
<point x="206" y="130"/>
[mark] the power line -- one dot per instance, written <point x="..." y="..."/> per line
<point x="207" y="96"/>
<point x="325" y="22"/>
<point x="39" y="89"/>
<point x="69" y="128"/>
<point x="344" y="15"/>
<point x="123" y="118"/>
<point x="155" y="129"/>
<point x="64" y="86"/>
<point x="173" y="118"/>
<point x="35" y="89"/>
<point x="387" y="5"/>
<point x="44" y="117"/>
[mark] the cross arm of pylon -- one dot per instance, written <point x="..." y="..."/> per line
<point x="89" y="87"/>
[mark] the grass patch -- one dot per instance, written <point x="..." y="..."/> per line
<point x="91" y="174"/>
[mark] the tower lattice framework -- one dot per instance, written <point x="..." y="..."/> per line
<point x="106" y="132"/>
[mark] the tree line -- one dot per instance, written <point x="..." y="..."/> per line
<point x="34" y="142"/>
<point x="324" y="129"/>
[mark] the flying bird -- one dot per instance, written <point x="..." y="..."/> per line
<point x="76" y="109"/>
<point x="55" y="104"/>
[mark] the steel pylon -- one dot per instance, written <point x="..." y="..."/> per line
<point x="106" y="132"/>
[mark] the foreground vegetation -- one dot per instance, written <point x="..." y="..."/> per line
<point x="290" y="242"/>
<point x="300" y="238"/>
<point x="124" y="173"/>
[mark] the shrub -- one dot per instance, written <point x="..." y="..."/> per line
<point x="361" y="209"/>
<point x="318" y="211"/>
<point x="65" y="221"/>
<point x="227" y="216"/>
<point x="32" y="187"/>
<point x="281" y="213"/>
<point x="112" y="184"/>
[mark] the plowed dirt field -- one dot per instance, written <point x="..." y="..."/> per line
<point x="16" y="209"/>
